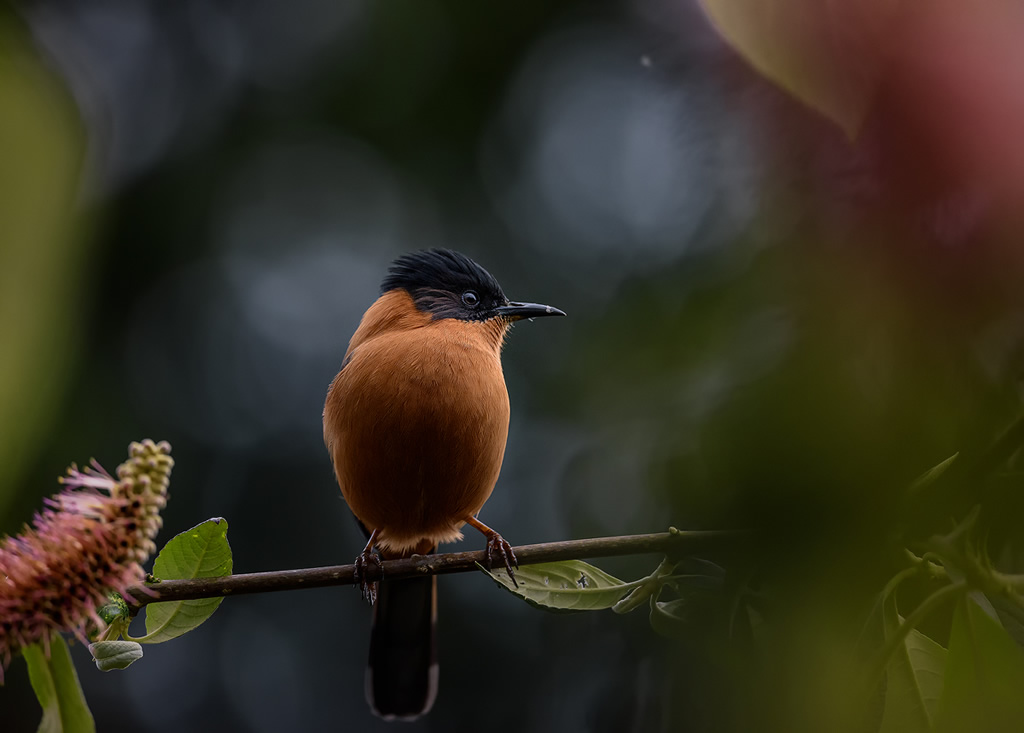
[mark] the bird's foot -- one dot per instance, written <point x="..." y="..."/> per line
<point x="497" y="547"/>
<point x="362" y="565"/>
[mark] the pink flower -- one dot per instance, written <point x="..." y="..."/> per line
<point x="90" y="540"/>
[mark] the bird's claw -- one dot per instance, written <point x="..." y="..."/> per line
<point x="366" y="586"/>
<point x="498" y="547"/>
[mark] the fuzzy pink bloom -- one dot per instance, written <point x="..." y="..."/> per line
<point x="90" y="540"/>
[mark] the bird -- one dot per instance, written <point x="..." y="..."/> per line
<point x="415" y="424"/>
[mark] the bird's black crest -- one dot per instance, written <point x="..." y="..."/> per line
<point x="438" y="269"/>
<point x="437" y="280"/>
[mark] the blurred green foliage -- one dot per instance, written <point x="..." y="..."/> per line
<point x="56" y="685"/>
<point x="43" y="269"/>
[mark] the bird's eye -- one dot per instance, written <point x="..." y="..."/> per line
<point x="470" y="298"/>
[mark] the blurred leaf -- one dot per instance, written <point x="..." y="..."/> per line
<point x="914" y="677"/>
<point x="701" y="616"/>
<point x="57" y="689"/>
<point x="827" y="55"/>
<point x="110" y="655"/>
<point x="201" y="552"/>
<point x="572" y="585"/>
<point x="42" y="149"/>
<point x="933" y="473"/>
<point x="668" y="618"/>
<point x="984" y="675"/>
<point x="1011" y="615"/>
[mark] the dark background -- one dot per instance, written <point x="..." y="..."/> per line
<point x="767" y="327"/>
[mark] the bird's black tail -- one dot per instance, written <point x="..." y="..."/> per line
<point x="401" y="678"/>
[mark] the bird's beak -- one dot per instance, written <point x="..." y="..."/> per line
<point x="518" y="311"/>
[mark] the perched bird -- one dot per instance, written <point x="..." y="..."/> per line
<point x="415" y="423"/>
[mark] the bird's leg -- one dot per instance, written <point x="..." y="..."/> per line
<point x="363" y="560"/>
<point x="496" y="545"/>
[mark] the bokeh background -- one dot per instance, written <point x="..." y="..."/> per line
<point x="779" y="314"/>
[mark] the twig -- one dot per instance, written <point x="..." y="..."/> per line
<point x="455" y="562"/>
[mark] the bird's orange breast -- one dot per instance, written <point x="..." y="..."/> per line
<point x="416" y="422"/>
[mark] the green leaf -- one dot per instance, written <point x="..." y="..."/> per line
<point x="914" y="677"/>
<point x="56" y="686"/>
<point x="110" y="655"/>
<point x="984" y="675"/>
<point x="572" y="585"/>
<point x="201" y="552"/>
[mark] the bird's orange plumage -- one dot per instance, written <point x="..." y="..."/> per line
<point x="416" y="422"/>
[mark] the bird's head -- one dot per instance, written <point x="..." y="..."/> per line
<point x="446" y="284"/>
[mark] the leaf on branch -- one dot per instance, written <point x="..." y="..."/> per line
<point x="984" y="675"/>
<point x="110" y="655"/>
<point x="56" y="686"/>
<point x="914" y="677"/>
<point x="571" y="585"/>
<point x="201" y="552"/>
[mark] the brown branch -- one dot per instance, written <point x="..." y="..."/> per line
<point x="673" y="541"/>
